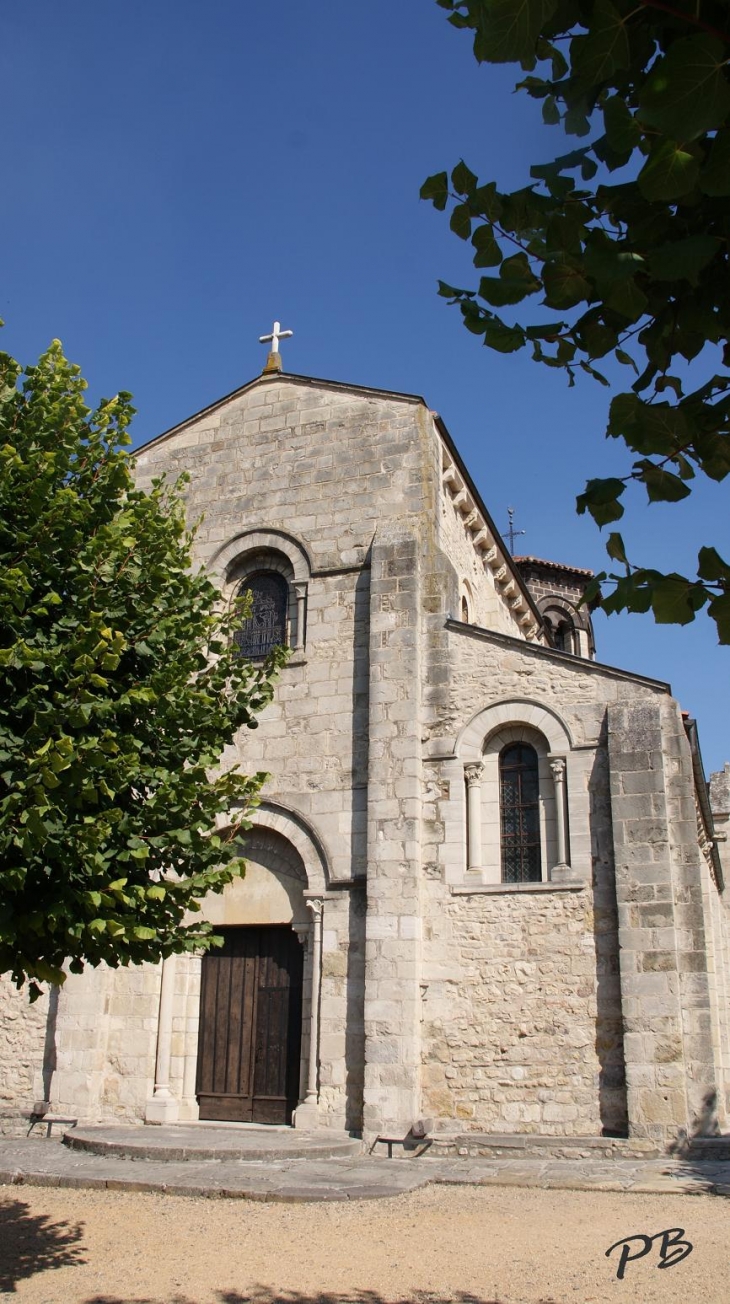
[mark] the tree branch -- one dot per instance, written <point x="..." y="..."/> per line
<point x="687" y="18"/>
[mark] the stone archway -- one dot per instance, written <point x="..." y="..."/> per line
<point x="277" y="904"/>
<point x="251" y="989"/>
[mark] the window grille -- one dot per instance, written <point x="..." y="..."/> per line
<point x="519" y="802"/>
<point x="265" y="627"/>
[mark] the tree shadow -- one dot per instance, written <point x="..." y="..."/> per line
<point x="704" y="1140"/>
<point x="31" y="1243"/>
<point x="264" y="1295"/>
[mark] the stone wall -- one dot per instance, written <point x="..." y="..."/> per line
<point x="671" y="1079"/>
<point x="23" y="1030"/>
<point x="509" y="1014"/>
<point x="106" y="1037"/>
<point x="543" y="1051"/>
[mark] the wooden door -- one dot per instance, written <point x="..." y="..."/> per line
<point x="251" y="1026"/>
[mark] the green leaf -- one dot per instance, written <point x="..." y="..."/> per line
<point x="565" y="285"/>
<point x="509" y="29"/>
<point x="576" y="120"/>
<point x="626" y="359"/>
<point x="651" y="428"/>
<point x="615" y="548"/>
<point x="622" y="130"/>
<point x="687" y="92"/>
<point x="503" y="339"/>
<point x="627" y="299"/>
<point x="675" y="600"/>
<point x="606" y="47"/>
<point x="460" y="221"/>
<point x="486" y="202"/>
<point x="515" y="282"/>
<point x="661" y="486"/>
<point x="463" y="179"/>
<point x="488" y="252"/>
<point x="144" y="934"/>
<point x="608" y="263"/>
<point x="451" y="292"/>
<point x="715" y="175"/>
<point x="668" y="173"/>
<point x="682" y="259"/>
<point x="719" y="610"/>
<point x="550" y="111"/>
<point x="595" y="338"/>
<point x="710" y="566"/>
<point x="436" y="188"/>
<point x="601" y="500"/>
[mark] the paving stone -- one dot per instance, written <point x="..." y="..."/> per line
<point x="364" y="1177"/>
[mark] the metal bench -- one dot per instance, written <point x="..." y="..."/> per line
<point x="416" y="1136"/>
<point x="40" y="1113"/>
<point x="391" y="1141"/>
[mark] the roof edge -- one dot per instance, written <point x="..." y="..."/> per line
<point x="564" y="658"/>
<point x="277" y="377"/>
<point x="517" y="576"/>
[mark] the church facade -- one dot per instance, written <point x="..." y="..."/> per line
<point x="486" y="881"/>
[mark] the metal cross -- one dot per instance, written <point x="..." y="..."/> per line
<point x="276" y="335"/>
<point x="511" y="532"/>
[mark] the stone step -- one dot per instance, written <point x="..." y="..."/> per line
<point x="493" y="1145"/>
<point x="198" y="1142"/>
<point x="716" y="1148"/>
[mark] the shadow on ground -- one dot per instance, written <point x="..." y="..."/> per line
<point x="264" y="1296"/>
<point x="31" y="1243"/>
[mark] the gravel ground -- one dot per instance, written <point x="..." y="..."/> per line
<point x="514" y="1246"/>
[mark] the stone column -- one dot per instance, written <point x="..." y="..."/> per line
<point x="664" y="982"/>
<point x="163" y="1107"/>
<point x="473" y="774"/>
<point x="561" y="870"/>
<point x="393" y="1004"/>
<point x="300" y="588"/>
<point x="306" y="1115"/>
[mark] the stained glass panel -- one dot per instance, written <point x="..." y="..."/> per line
<point x="265" y="628"/>
<point x="520" y="814"/>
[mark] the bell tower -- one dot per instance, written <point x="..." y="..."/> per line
<point x="558" y="591"/>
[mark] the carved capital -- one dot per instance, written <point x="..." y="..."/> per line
<point x="473" y="773"/>
<point x="557" y="765"/>
<point x="316" y="905"/>
<point x="300" y="588"/>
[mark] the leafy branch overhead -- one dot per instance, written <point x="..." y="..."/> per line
<point x="119" y="688"/>
<point x="626" y="237"/>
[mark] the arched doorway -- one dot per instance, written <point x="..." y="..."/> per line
<point x="249" y="1041"/>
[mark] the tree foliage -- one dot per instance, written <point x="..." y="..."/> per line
<point x="626" y="237"/>
<point x="119" y="687"/>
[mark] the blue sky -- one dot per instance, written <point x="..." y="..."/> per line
<point x="180" y="174"/>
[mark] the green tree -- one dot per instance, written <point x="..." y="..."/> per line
<point x="634" y="265"/>
<point x="119" y="687"/>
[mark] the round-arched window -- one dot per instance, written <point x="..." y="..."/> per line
<point x="519" y="808"/>
<point x="265" y="627"/>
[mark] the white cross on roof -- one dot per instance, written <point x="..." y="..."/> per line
<point x="276" y="335"/>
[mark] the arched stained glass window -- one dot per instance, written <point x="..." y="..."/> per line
<point x="265" y="627"/>
<point x="519" y="806"/>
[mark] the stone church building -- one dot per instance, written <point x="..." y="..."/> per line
<point x="486" y="881"/>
